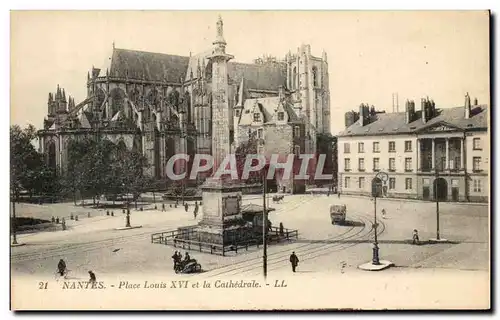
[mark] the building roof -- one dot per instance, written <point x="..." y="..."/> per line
<point x="394" y="123"/>
<point x="268" y="76"/>
<point x="267" y="106"/>
<point x="152" y="66"/>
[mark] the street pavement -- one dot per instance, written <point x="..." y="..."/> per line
<point x="95" y="244"/>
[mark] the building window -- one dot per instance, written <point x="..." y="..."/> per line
<point x="408" y="185"/>
<point x="454" y="182"/>
<point x="392" y="183"/>
<point x="392" y="164"/>
<point x="347" y="147"/>
<point x="426" y="181"/>
<point x="347" y="181"/>
<point x="361" y="183"/>
<point x="281" y="116"/>
<point x="347" y="164"/>
<point x="256" y="117"/>
<point x="476" y="163"/>
<point x="392" y="146"/>
<point x="376" y="147"/>
<point x="296" y="130"/>
<point x="407" y="146"/>
<point x="361" y="147"/>
<point x="476" y="143"/>
<point x="260" y="133"/>
<point x="361" y="164"/>
<point x="376" y="164"/>
<point x="477" y="186"/>
<point x="408" y="166"/>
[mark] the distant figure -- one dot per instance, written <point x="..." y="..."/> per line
<point x="175" y="258"/>
<point x="338" y="193"/>
<point x="186" y="207"/>
<point x="57" y="220"/>
<point x="53" y="219"/>
<point x="187" y="257"/>
<point x="63" y="224"/>
<point x="71" y="217"/>
<point x="383" y="213"/>
<point x="282" y="232"/>
<point x="107" y="212"/>
<point x="162" y="207"/>
<point x="416" y="239"/>
<point x="112" y="214"/>
<point x="76" y="217"/>
<point x="61" y="267"/>
<point x="328" y="193"/>
<point x="294" y="260"/>
<point x="88" y="215"/>
<point x="195" y="212"/>
<point x="92" y="277"/>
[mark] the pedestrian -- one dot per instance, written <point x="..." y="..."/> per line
<point x="92" y="277"/>
<point x="416" y="239"/>
<point x="63" y="224"/>
<point x="57" y="220"/>
<point x="282" y="232"/>
<point x="53" y="219"/>
<point x="383" y="213"/>
<point x="61" y="267"/>
<point x="294" y="260"/>
<point x="195" y="212"/>
<point x="175" y="258"/>
<point x="76" y="217"/>
<point x="187" y="257"/>
<point x="162" y="207"/>
<point x="186" y="207"/>
<point x="338" y="194"/>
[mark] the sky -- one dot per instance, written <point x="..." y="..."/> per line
<point x="371" y="54"/>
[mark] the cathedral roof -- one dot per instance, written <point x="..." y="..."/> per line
<point x="151" y="66"/>
<point x="267" y="76"/>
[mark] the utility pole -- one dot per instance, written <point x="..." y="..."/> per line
<point x="437" y="204"/>
<point x="264" y="226"/>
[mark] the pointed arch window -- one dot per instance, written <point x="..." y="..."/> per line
<point x="315" y="76"/>
<point x="294" y="79"/>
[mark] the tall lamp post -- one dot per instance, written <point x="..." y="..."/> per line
<point x="127" y="225"/>
<point x="264" y="225"/>
<point x="376" y="264"/>
<point x="436" y="197"/>
<point x="377" y="185"/>
<point x="14" y="240"/>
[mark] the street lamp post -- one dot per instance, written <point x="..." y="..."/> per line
<point x="437" y="205"/>
<point x="264" y="226"/>
<point x="127" y="225"/>
<point x="382" y="176"/>
<point x="14" y="240"/>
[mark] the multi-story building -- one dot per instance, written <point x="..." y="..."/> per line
<point x="163" y="104"/>
<point x="430" y="153"/>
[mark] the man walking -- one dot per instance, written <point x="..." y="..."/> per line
<point x="294" y="260"/>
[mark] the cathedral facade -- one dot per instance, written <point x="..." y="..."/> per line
<point x="161" y="105"/>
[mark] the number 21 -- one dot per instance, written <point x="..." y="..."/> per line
<point x="42" y="285"/>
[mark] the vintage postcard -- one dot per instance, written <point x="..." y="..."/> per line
<point x="250" y="160"/>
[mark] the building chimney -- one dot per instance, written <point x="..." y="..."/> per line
<point x="423" y="105"/>
<point x="467" y="106"/>
<point x="362" y="115"/>
<point x="407" y="112"/>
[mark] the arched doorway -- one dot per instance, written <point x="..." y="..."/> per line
<point x="441" y="189"/>
<point x="51" y="154"/>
